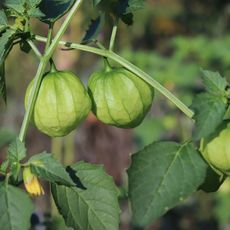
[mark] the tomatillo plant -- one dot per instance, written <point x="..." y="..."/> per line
<point x="57" y="102"/>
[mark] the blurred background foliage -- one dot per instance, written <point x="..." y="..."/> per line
<point x="171" y="40"/>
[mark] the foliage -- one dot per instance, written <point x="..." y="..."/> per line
<point x="162" y="174"/>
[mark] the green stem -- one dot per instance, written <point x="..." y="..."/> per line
<point x="109" y="54"/>
<point x="50" y="36"/>
<point x="41" y="69"/>
<point x="113" y="35"/>
<point x="35" y="49"/>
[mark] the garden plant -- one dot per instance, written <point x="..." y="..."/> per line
<point x="160" y="176"/>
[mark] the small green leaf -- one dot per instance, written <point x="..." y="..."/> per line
<point x="96" y="207"/>
<point x="36" y="13"/>
<point x="162" y="175"/>
<point x="15" y="209"/>
<point x="17" y="5"/>
<point x="16" y="151"/>
<point x="45" y="166"/>
<point x="209" y="113"/>
<point x="214" y="83"/>
<point x="94" y="29"/>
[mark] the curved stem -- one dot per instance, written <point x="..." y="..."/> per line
<point x="109" y="54"/>
<point x="41" y="69"/>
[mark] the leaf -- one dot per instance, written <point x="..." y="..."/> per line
<point x="45" y="166"/>
<point x="209" y="112"/>
<point x="3" y="18"/>
<point x="160" y="176"/>
<point x="16" y="151"/>
<point x="130" y="6"/>
<point x="94" y="29"/>
<point x="120" y="9"/>
<point x="134" y="5"/>
<point x="95" y="208"/>
<point x="6" y="43"/>
<point x="53" y="10"/>
<point x="15" y="209"/>
<point x="33" y="3"/>
<point x="212" y="182"/>
<point x="17" y="5"/>
<point x="214" y="83"/>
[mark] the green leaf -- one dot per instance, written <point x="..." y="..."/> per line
<point x="3" y="18"/>
<point x="160" y="176"/>
<point x="212" y="182"/>
<point x="33" y="3"/>
<point x="6" y="43"/>
<point x="209" y="113"/>
<point x="53" y="10"/>
<point x="15" y="209"/>
<point x="16" y="151"/>
<point x="214" y="83"/>
<point x="96" y="207"/>
<point x="120" y="9"/>
<point x="94" y="29"/>
<point x="17" y="5"/>
<point x="45" y="166"/>
<point x="22" y="6"/>
<point x="134" y="5"/>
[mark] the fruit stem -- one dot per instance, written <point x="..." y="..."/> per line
<point x="113" y="35"/>
<point x="107" y="66"/>
<point x="53" y="67"/>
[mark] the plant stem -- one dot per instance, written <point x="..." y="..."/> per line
<point x="41" y="69"/>
<point x="113" y="35"/>
<point x="50" y="36"/>
<point x="109" y="54"/>
<point x="35" y="49"/>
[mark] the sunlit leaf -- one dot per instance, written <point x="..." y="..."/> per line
<point x="94" y="208"/>
<point x="162" y="175"/>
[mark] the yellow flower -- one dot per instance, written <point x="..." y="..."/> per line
<point x="31" y="183"/>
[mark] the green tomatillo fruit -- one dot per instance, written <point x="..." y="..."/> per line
<point x="119" y="97"/>
<point x="62" y="103"/>
<point x="216" y="149"/>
